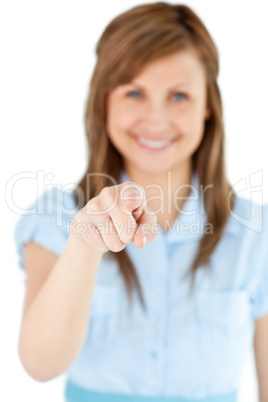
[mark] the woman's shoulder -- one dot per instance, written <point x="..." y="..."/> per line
<point x="46" y="221"/>
<point x="248" y="216"/>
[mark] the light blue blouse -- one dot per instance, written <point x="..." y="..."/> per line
<point x="184" y="348"/>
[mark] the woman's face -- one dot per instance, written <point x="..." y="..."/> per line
<point x="156" y="121"/>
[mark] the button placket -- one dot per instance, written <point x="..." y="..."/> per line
<point x="165" y="309"/>
<point x="158" y="266"/>
<point x="158" y="314"/>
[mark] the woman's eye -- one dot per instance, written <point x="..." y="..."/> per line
<point x="136" y="94"/>
<point x="180" y="96"/>
<point x="133" y="94"/>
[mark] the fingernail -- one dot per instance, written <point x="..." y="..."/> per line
<point x="125" y="199"/>
<point x="144" y="239"/>
<point x="132" y="197"/>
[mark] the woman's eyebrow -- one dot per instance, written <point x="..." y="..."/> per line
<point x="178" y="84"/>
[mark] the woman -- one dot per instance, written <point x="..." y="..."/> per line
<point x="155" y="131"/>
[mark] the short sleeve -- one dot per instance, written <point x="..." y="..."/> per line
<point x="260" y="307"/>
<point x="46" y="222"/>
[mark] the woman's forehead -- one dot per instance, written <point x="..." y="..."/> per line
<point x="180" y="59"/>
<point x="181" y="69"/>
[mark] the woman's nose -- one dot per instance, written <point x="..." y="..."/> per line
<point x="156" y="117"/>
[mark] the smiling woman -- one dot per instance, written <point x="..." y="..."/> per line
<point x="154" y="125"/>
<point x="154" y="131"/>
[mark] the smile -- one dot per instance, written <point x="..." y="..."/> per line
<point x="154" y="145"/>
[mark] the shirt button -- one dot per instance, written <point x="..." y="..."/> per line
<point x="152" y="382"/>
<point x="154" y="355"/>
<point x="156" y="323"/>
<point x="158" y="266"/>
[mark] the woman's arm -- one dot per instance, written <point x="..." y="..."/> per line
<point x="261" y="356"/>
<point x="54" y="325"/>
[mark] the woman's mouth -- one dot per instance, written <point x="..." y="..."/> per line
<point x="153" y="145"/>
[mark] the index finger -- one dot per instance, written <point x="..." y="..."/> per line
<point x="135" y="201"/>
<point x="147" y="229"/>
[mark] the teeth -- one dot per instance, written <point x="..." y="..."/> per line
<point x="153" y="144"/>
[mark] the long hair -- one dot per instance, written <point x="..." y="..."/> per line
<point x="131" y="40"/>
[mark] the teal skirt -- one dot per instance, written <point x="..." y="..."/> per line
<point x="75" y="393"/>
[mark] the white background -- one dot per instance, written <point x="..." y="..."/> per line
<point x="47" y="56"/>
